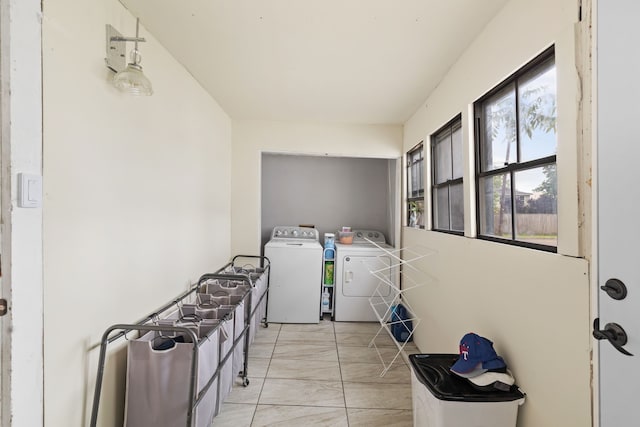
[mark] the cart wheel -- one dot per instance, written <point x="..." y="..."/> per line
<point x="265" y="325"/>
<point x="245" y="382"/>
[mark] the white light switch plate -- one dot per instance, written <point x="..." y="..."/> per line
<point x="29" y="190"/>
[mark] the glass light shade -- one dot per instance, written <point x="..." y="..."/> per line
<point x="132" y="80"/>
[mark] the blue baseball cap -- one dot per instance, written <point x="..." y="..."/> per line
<point x="476" y="357"/>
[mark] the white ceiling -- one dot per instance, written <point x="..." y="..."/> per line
<point x="350" y="61"/>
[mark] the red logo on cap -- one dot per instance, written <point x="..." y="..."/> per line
<point x="464" y="351"/>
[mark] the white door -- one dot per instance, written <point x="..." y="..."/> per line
<point x="618" y="213"/>
<point x="2" y="303"/>
<point x="357" y="280"/>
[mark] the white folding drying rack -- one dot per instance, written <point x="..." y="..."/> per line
<point x="388" y="294"/>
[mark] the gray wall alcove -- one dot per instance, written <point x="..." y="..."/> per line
<point x="328" y="192"/>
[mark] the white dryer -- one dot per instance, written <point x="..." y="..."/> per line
<point x="354" y="282"/>
<point x="295" y="257"/>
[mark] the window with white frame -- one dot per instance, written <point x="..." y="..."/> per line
<point x="516" y="175"/>
<point x="415" y="186"/>
<point x="447" y="193"/>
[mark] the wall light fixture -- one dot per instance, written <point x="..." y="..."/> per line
<point x="129" y="78"/>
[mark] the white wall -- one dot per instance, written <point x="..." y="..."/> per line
<point x="533" y="305"/>
<point x="251" y="138"/>
<point x="137" y="198"/>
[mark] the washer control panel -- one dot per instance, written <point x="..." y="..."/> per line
<point x="293" y="232"/>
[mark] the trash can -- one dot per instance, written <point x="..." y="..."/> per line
<point x="442" y="399"/>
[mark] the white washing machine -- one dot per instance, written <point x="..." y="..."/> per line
<point x="295" y="256"/>
<point x="354" y="282"/>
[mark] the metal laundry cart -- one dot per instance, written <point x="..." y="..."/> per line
<point x="199" y="307"/>
<point x="259" y="276"/>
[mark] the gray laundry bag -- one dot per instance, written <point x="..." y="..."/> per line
<point x="157" y="385"/>
<point x="254" y="320"/>
<point x="238" y="327"/>
<point x="261" y="312"/>
<point x="232" y="296"/>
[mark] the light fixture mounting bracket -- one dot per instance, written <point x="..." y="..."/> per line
<point x="116" y="50"/>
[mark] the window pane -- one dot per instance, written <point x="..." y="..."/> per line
<point x="441" y="221"/>
<point x="416" y="213"/>
<point x="443" y="158"/>
<point x="415" y="186"/>
<point x="419" y="173"/>
<point x="415" y="179"/>
<point x="537" y="113"/>
<point x="536" y="205"/>
<point x="495" y="206"/>
<point x="456" y="200"/>
<point x="456" y="147"/>
<point x="499" y="145"/>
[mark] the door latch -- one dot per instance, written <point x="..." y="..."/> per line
<point x="615" y="288"/>
<point x="613" y="333"/>
<point x="3" y="306"/>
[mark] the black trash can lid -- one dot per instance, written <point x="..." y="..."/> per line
<point x="432" y="370"/>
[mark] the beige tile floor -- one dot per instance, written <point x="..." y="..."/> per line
<point x="321" y="375"/>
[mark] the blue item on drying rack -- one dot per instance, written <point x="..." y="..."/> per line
<point x="401" y="325"/>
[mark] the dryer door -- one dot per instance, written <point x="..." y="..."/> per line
<point x="357" y="280"/>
